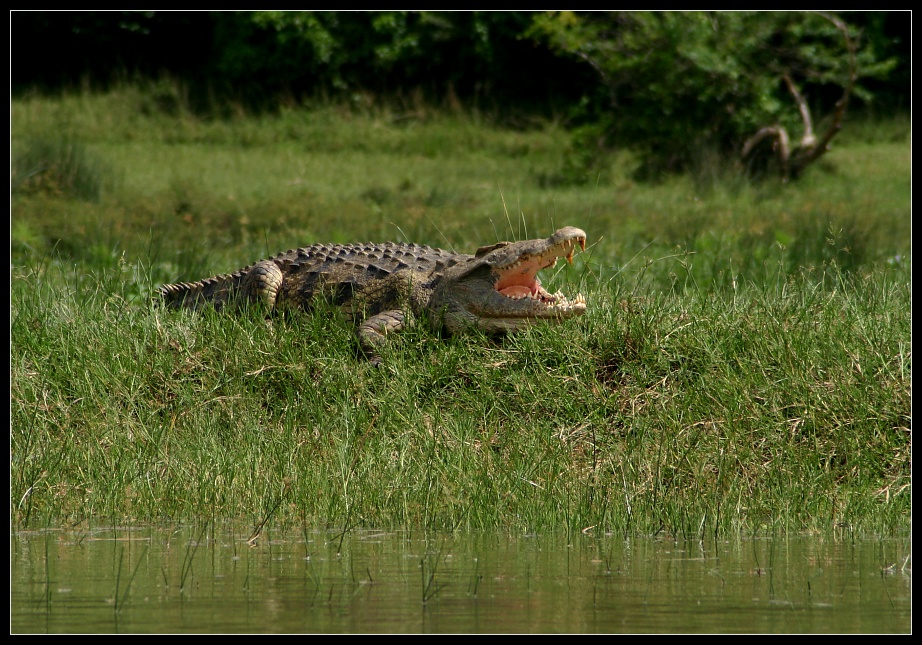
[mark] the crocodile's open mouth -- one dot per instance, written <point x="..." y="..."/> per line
<point x="519" y="279"/>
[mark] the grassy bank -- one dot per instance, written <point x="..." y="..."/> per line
<point x="745" y="363"/>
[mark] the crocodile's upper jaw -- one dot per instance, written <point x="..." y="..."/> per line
<point x="500" y="291"/>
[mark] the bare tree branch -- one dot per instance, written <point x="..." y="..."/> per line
<point x="806" y="156"/>
<point x="781" y="145"/>
<point x="810" y="148"/>
<point x="809" y="139"/>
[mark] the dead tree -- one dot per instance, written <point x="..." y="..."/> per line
<point x="793" y="160"/>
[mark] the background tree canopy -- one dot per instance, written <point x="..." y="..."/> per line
<point x="685" y="84"/>
<point x="670" y="86"/>
<point x="258" y="58"/>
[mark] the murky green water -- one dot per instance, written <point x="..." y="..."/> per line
<point x="185" y="580"/>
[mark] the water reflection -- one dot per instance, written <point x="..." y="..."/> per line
<point x="207" y="579"/>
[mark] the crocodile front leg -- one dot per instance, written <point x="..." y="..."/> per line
<point x="262" y="283"/>
<point x="372" y="332"/>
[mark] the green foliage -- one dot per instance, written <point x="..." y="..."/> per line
<point x="675" y="85"/>
<point x="59" y="166"/>
<point x="261" y="59"/>
<point x="397" y="55"/>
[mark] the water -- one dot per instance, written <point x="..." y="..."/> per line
<point x="195" y="580"/>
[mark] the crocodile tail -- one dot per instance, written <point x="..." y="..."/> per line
<point x="217" y="291"/>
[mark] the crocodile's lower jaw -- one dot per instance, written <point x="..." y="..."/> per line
<point x="561" y="308"/>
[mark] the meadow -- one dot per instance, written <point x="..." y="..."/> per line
<point x="745" y="364"/>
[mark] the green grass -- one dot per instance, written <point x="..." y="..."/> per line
<point x="745" y="363"/>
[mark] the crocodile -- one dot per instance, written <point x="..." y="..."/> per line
<point x="383" y="286"/>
